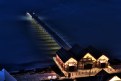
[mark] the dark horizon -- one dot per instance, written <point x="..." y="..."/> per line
<point x="90" y="22"/>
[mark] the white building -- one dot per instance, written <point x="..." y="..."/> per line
<point x="115" y="78"/>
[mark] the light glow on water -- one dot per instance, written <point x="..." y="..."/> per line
<point x="26" y="18"/>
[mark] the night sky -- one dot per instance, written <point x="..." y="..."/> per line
<point x="86" y="22"/>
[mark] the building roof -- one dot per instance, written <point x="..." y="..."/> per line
<point x="102" y="73"/>
<point x="78" y="53"/>
<point x="93" y="51"/>
<point x="64" y="54"/>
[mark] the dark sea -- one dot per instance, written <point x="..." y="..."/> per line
<point x="86" y="22"/>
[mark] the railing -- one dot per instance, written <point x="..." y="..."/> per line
<point x="35" y="77"/>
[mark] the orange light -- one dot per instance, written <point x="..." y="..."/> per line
<point x="88" y="55"/>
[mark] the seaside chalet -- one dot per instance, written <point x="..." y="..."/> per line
<point x="77" y="58"/>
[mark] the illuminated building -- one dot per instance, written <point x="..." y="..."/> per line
<point x="83" y="60"/>
<point x="66" y="61"/>
<point x="115" y="78"/>
<point x="77" y="62"/>
<point x="102" y="61"/>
